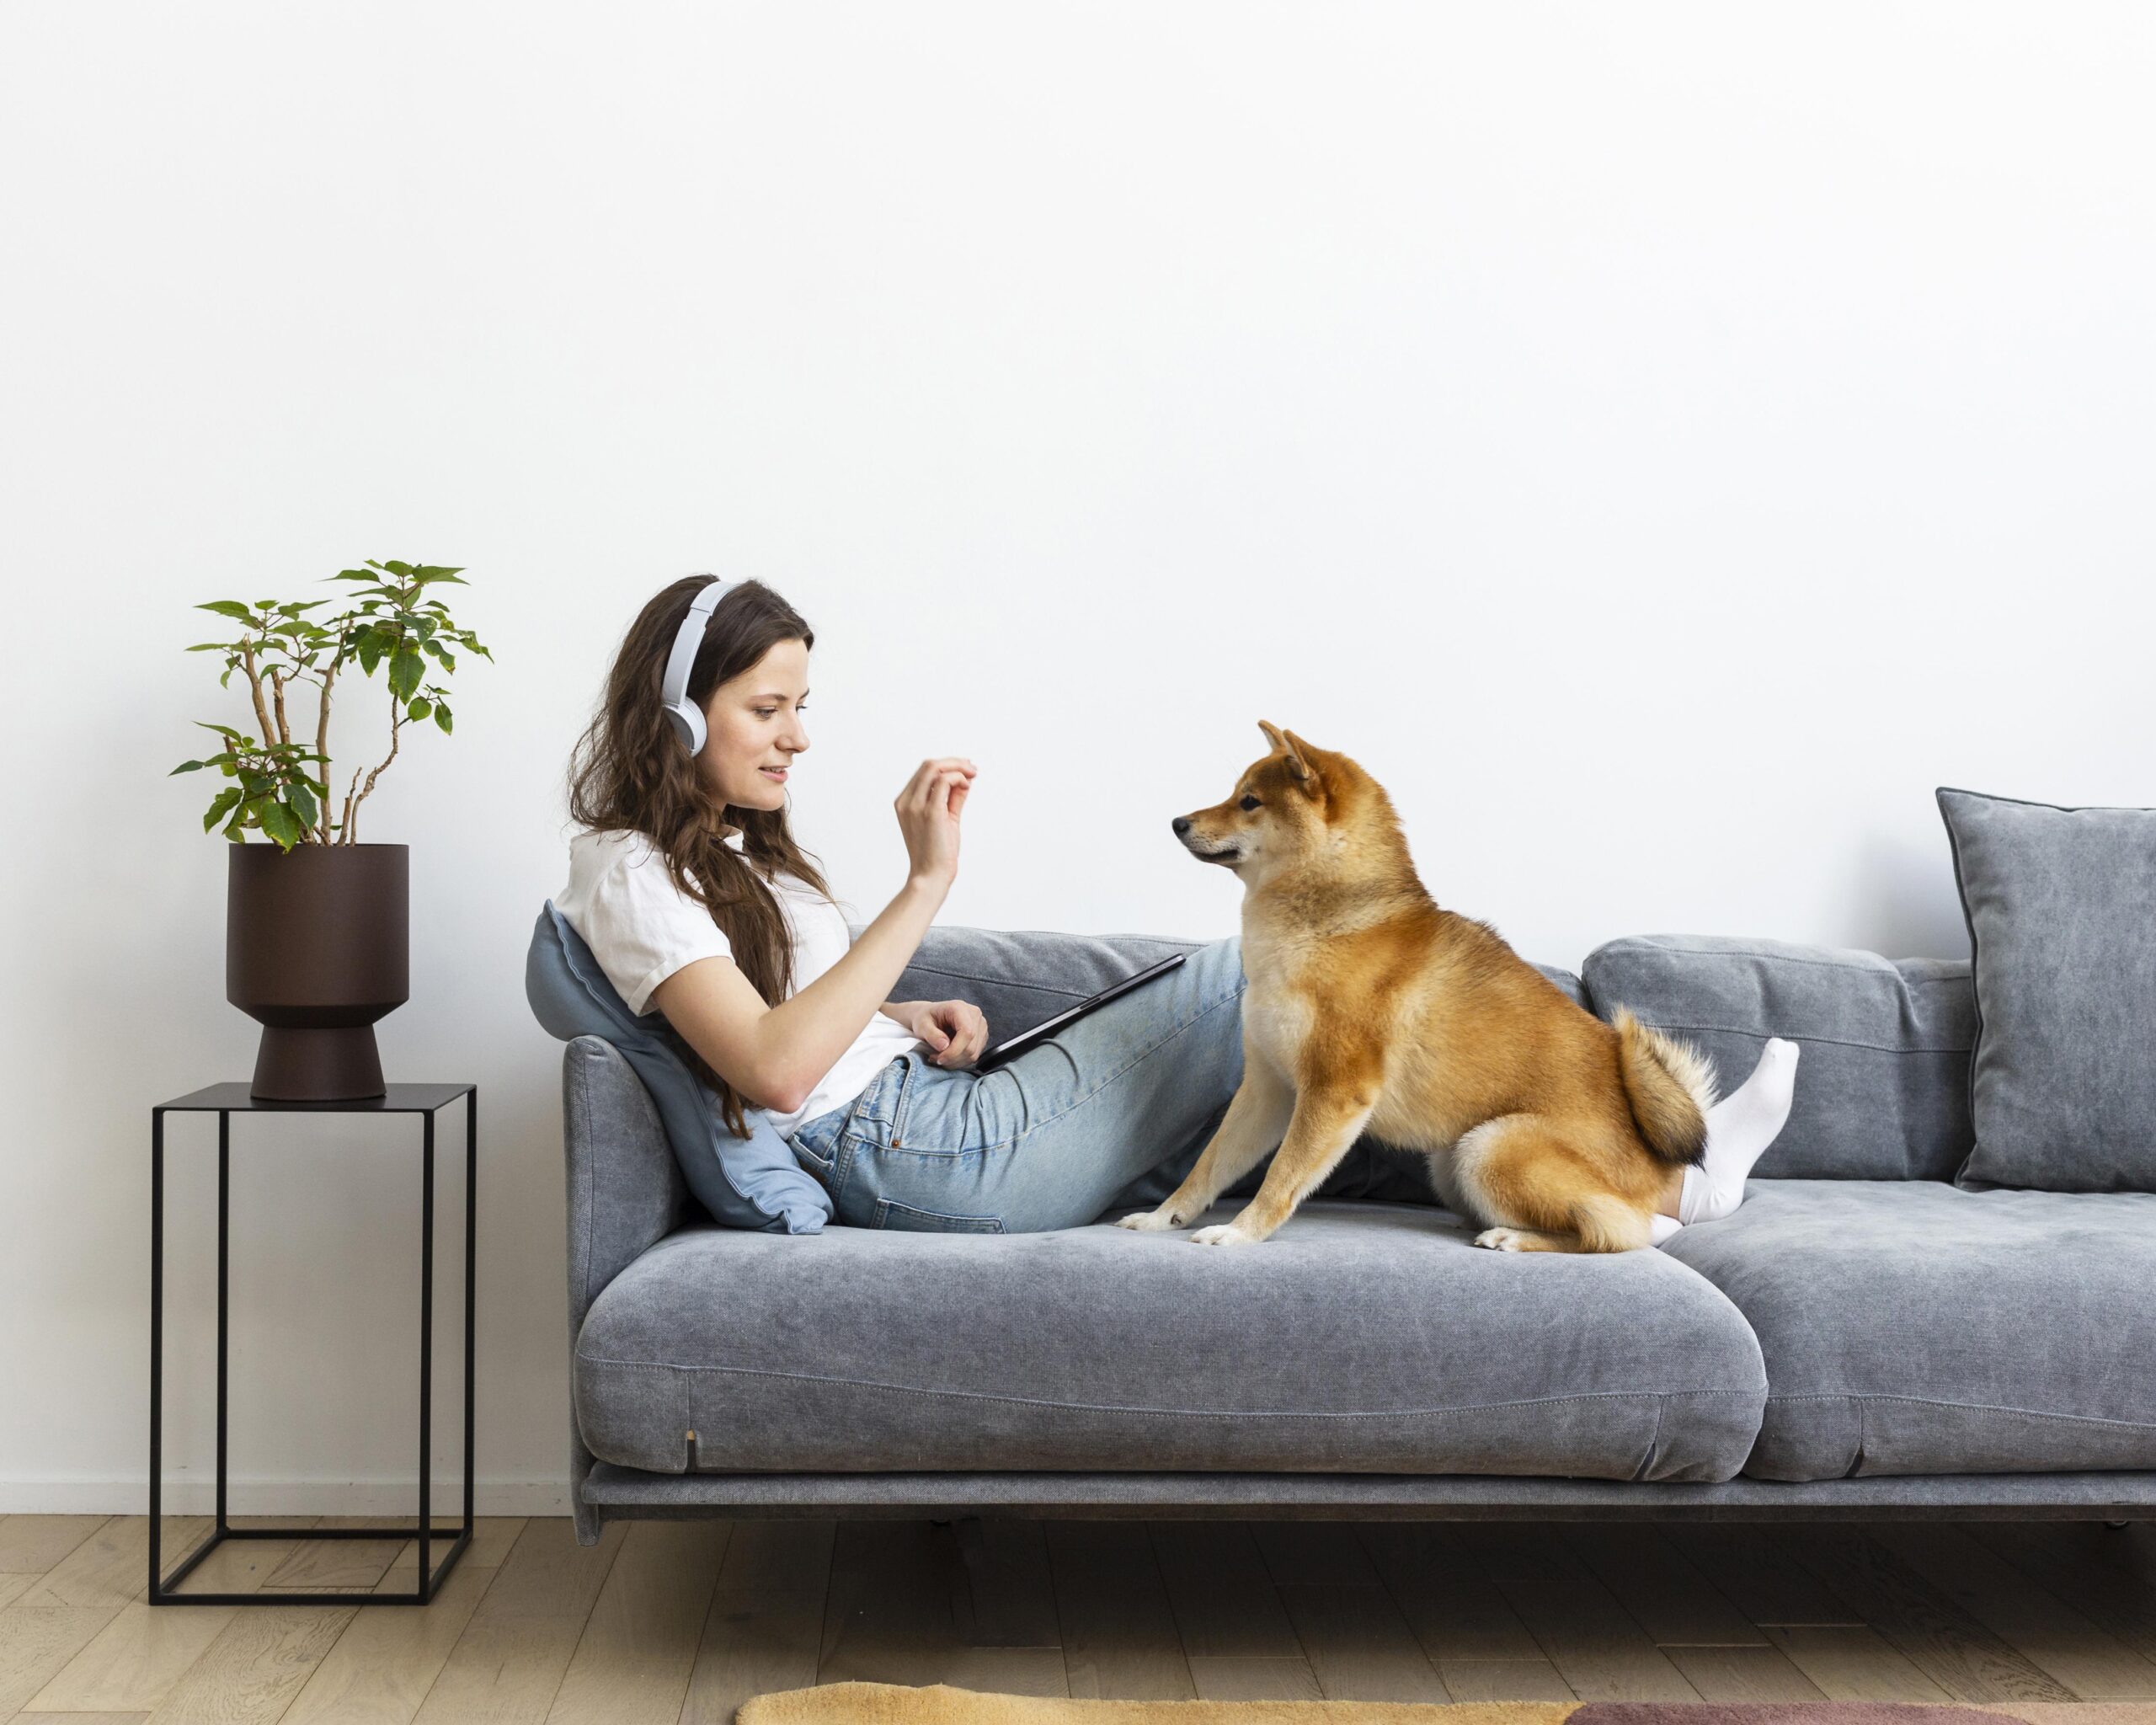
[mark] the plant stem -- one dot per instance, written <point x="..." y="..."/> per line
<point x="255" y="682"/>
<point x="322" y="744"/>
<point x="359" y="793"/>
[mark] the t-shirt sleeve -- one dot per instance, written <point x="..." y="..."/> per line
<point x="643" y="928"/>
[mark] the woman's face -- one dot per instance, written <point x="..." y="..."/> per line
<point x="753" y="729"/>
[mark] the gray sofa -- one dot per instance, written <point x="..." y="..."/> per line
<point x="1864" y="1337"/>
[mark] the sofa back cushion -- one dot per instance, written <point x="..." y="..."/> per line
<point x="2061" y="911"/>
<point x="1020" y="976"/>
<point x="1882" y="1084"/>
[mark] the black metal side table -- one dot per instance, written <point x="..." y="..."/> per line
<point x="226" y="1100"/>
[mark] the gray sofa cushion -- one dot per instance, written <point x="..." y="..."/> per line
<point x="2061" y="911"/>
<point x="1883" y="1086"/>
<point x="1910" y="1327"/>
<point x="1017" y="977"/>
<point x="1020" y="976"/>
<point x="1363" y="1337"/>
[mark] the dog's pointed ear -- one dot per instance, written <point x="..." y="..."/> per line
<point x="1284" y="743"/>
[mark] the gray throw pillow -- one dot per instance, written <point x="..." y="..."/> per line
<point x="756" y="1181"/>
<point x="1883" y="1078"/>
<point x="2061" y="911"/>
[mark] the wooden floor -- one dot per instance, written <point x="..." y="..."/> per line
<point x="682" y="1620"/>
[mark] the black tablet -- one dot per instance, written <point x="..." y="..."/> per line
<point x="1040" y="1032"/>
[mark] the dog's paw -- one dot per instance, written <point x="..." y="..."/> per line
<point x="1151" y="1222"/>
<point x="1499" y="1240"/>
<point x="1226" y="1234"/>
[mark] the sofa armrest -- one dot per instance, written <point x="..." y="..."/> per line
<point x="626" y="1191"/>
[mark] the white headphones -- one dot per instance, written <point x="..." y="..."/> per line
<point x="684" y="714"/>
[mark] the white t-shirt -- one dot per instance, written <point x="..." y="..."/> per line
<point x="643" y="928"/>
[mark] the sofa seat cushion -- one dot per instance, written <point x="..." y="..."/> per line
<point x="1882" y="1091"/>
<point x="1362" y="1337"/>
<point x="1910" y="1327"/>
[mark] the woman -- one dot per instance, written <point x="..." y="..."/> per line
<point x="689" y="888"/>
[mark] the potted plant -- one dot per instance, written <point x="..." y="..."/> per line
<point x="317" y="923"/>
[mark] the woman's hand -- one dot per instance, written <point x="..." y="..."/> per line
<point x="928" y="810"/>
<point x="955" y="1031"/>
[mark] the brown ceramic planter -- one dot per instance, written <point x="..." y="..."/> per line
<point x="317" y="944"/>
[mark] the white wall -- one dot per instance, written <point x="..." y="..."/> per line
<point x="1662" y="442"/>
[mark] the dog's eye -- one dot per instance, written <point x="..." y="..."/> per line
<point x="1247" y="803"/>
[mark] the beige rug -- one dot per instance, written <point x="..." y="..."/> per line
<point x="939" y="1704"/>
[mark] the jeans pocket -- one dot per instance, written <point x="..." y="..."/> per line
<point x="889" y="1213"/>
<point x="819" y="1157"/>
<point x="892" y="1108"/>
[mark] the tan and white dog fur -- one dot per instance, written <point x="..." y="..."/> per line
<point x="1368" y="1008"/>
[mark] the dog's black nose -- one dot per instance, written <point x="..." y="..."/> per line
<point x="1181" y="824"/>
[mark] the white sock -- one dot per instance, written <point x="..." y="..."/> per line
<point x="1739" y="1128"/>
<point x="1662" y="1227"/>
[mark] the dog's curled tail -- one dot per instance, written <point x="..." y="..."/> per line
<point x="1670" y="1086"/>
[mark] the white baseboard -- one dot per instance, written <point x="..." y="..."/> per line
<point x="395" y="1501"/>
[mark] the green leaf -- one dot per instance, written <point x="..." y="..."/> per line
<point x="406" y="667"/>
<point x="222" y="730"/>
<point x="303" y="803"/>
<point x="211" y="647"/>
<point x="394" y="567"/>
<point x="441" y="717"/>
<point x="187" y="767"/>
<point x="419" y="708"/>
<point x="281" y="825"/>
<point x="228" y="607"/>
<point x="226" y="799"/>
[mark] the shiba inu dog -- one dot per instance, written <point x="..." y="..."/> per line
<point x="1370" y="1008"/>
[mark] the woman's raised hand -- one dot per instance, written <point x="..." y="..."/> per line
<point x="928" y="810"/>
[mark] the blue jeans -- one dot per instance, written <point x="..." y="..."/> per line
<point x="1112" y="1112"/>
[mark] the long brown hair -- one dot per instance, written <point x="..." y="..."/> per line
<point x="629" y="769"/>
